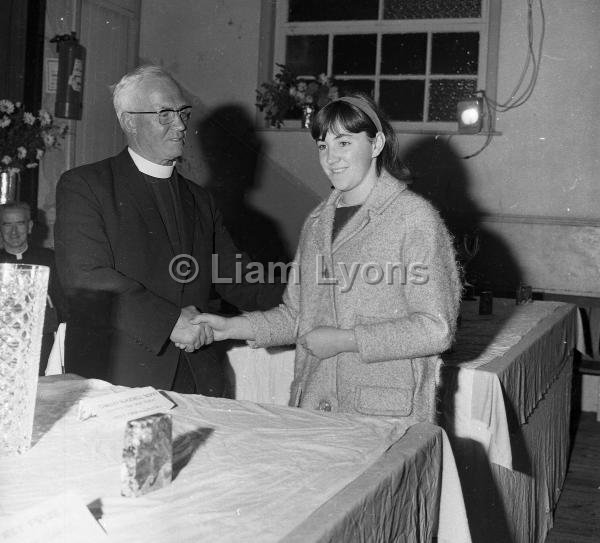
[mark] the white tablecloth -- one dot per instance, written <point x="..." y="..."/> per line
<point x="243" y="472"/>
<point x="261" y="375"/>
<point x="500" y="368"/>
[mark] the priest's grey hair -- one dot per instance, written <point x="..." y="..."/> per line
<point x="125" y="87"/>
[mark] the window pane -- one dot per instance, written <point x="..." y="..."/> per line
<point x="365" y="86"/>
<point x="332" y="10"/>
<point x="455" y="53"/>
<point x="403" y="53"/>
<point x="306" y="55"/>
<point x="431" y="9"/>
<point x="444" y="94"/>
<point x="402" y="100"/>
<point x="354" y="54"/>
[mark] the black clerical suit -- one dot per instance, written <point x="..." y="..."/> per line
<point x="55" y="301"/>
<point x="116" y="236"/>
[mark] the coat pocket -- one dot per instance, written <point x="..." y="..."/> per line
<point x="384" y="401"/>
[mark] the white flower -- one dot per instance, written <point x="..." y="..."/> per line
<point x="21" y="152"/>
<point x="323" y="79"/>
<point x="4" y="122"/>
<point x="49" y="139"/>
<point x="31" y="165"/>
<point x="6" y="106"/>
<point x="28" y="118"/>
<point x="39" y="153"/>
<point x="6" y="160"/>
<point x="14" y="170"/>
<point x="44" y="117"/>
<point x="17" y="104"/>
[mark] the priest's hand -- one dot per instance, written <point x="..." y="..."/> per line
<point x="188" y="335"/>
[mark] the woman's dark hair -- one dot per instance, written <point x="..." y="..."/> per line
<point x="339" y="114"/>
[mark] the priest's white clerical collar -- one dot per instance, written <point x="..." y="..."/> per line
<point x="150" y="168"/>
<point x="17" y="255"/>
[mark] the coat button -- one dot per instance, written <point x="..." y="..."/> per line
<point x="324" y="405"/>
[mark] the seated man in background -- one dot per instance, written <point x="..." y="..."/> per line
<point x="15" y="227"/>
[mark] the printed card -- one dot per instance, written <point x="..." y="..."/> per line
<point x="128" y="404"/>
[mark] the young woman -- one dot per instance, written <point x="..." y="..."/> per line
<point x="376" y="294"/>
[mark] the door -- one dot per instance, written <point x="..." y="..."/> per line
<point x="109" y="32"/>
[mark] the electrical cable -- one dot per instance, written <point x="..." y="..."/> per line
<point x="536" y="63"/>
<point x="518" y="97"/>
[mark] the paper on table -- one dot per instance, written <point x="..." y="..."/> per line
<point x="126" y="404"/>
<point x="61" y="519"/>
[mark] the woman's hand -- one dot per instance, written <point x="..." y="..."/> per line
<point x="327" y="341"/>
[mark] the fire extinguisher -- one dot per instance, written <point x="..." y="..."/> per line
<point x="69" y="84"/>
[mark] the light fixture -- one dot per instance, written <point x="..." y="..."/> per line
<point x="470" y="116"/>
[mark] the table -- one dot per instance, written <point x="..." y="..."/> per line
<point x="245" y="472"/>
<point x="506" y="389"/>
<point x="505" y="398"/>
<point x="261" y="375"/>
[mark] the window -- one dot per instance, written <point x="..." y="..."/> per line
<point x="416" y="58"/>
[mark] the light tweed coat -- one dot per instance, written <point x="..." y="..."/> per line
<point x="401" y="324"/>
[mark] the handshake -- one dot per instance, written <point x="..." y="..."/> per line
<point x="194" y="329"/>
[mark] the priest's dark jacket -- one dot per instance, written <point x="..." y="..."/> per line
<point x="117" y="264"/>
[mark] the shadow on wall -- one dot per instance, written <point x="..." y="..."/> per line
<point x="231" y="150"/>
<point x="441" y="175"/>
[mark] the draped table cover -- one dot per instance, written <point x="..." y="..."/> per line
<point x="503" y="365"/>
<point x="504" y="401"/>
<point x="243" y="472"/>
<point x="506" y="389"/>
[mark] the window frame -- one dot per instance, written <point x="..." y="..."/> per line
<point x="275" y="28"/>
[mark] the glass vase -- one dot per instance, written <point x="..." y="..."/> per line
<point x="10" y="185"/>
<point x="23" y="291"/>
<point x="308" y="112"/>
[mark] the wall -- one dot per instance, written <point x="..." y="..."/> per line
<point x="60" y="19"/>
<point x="13" y="36"/>
<point x="264" y="192"/>
<point x="108" y="29"/>
<point x="534" y="188"/>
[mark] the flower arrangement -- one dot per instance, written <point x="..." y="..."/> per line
<point x="286" y="94"/>
<point x="25" y="137"/>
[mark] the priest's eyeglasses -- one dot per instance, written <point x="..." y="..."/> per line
<point x="168" y="116"/>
